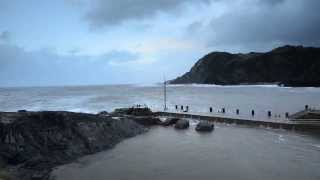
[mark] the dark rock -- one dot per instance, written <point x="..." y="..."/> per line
<point x="134" y="111"/>
<point x="306" y="114"/>
<point x="39" y="141"/>
<point x="147" y="120"/>
<point x="287" y="65"/>
<point x="22" y="111"/>
<point x="204" y="126"/>
<point x="182" y="124"/>
<point x="170" y="121"/>
<point x="103" y="113"/>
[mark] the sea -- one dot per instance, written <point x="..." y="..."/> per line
<point x="199" y="98"/>
<point x="229" y="152"/>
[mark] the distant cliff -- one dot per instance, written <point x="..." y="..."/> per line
<point x="287" y="65"/>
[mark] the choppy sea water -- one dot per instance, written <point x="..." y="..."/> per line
<point x="198" y="97"/>
<point x="229" y="152"/>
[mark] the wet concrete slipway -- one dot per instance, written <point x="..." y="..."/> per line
<point x="229" y="152"/>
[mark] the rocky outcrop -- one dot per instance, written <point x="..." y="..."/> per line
<point x="103" y="113"/>
<point x="170" y="121"/>
<point x="147" y="120"/>
<point x="287" y="65"/>
<point x="133" y="111"/>
<point x="306" y="114"/>
<point x="204" y="126"/>
<point x="182" y="124"/>
<point x="35" y="142"/>
<point x="141" y="115"/>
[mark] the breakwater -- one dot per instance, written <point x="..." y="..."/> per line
<point x="282" y="124"/>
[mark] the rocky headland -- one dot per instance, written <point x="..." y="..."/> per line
<point x="288" y="66"/>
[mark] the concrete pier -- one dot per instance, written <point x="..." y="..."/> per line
<point x="282" y="124"/>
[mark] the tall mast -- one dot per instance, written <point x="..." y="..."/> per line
<point x="165" y="93"/>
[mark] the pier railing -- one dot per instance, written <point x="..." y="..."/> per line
<point x="252" y="114"/>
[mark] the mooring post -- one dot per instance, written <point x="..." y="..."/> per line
<point x="306" y="107"/>
<point x="210" y="109"/>
<point x="176" y="107"/>
<point x="287" y="115"/>
<point x="223" y="110"/>
<point x="252" y="112"/>
<point x="181" y="107"/>
<point x="269" y="114"/>
<point x="237" y="111"/>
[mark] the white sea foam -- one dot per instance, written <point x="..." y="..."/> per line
<point x="82" y="110"/>
<point x="316" y="145"/>
<point x="281" y="138"/>
<point x="147" y="85"/>
<point x="231" y="86"/>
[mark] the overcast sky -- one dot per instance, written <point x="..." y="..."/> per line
<point x="74" y="42"/>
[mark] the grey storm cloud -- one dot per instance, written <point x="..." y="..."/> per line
<point x="110" y="12"/>
<point x="263" y="23"/>
<point x="245" y="22"/>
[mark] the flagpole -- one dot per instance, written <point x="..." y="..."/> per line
<point x="165" y="93"/>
